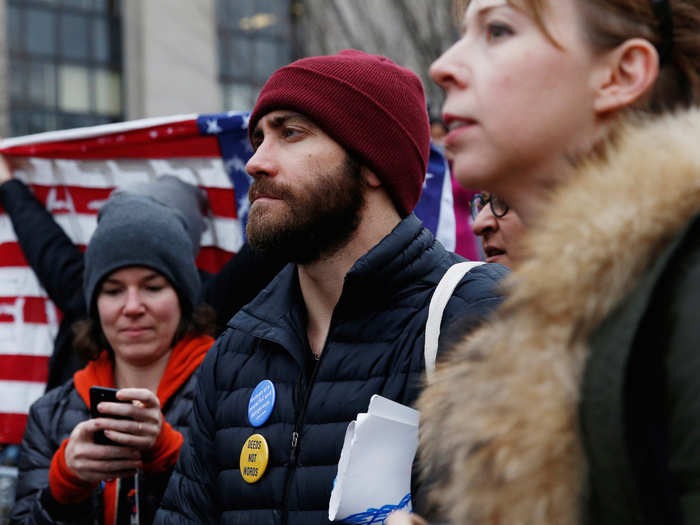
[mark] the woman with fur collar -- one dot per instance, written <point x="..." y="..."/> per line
<point x="580" y="401"/>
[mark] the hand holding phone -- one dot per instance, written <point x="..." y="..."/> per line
<point x="97" y="395"/>
<point x="143" y="423"/>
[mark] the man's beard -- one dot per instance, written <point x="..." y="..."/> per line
<point x="318" y="220"/>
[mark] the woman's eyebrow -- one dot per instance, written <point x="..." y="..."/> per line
<point x="481" y="12"/>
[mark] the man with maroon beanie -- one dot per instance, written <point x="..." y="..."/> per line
<point x="341" y="146"/>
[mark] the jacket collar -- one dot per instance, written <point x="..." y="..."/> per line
<point x="397" y="256"/>
<point x="506" y="401"/>
<point x="278" y="313"/>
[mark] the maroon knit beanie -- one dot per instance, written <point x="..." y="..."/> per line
<point x="373" y="108"/>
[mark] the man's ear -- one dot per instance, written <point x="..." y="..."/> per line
<point x="369" y="176"/>
<point x="626" y="74"/>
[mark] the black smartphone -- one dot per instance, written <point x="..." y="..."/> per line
<point x="97" y="395"/>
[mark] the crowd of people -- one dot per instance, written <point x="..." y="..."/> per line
<point x="566" y="392"/>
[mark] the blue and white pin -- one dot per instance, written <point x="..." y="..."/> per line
<point x="262" y="402"/>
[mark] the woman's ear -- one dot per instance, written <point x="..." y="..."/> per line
<point x="627" y="73"/>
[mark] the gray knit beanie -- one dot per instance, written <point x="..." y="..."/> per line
<point x="135" y="230"/>
<point x="175" y="193"/>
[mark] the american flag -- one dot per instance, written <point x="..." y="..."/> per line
<point x="73" y="171"/>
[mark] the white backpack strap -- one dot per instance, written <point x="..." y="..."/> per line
<point x="443" y="291"/>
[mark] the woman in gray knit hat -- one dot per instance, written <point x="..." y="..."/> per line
<point x="144" y="337"/>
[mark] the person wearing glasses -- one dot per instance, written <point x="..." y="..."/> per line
<point x="498" y="227"/>
<point x="579" y="401"/>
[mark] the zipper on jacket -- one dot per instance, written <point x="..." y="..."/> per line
<point x="294" y="455"/>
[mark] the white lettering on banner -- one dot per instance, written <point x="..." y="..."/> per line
<point x="53" y="203"/>
<point x="15" y="310"/>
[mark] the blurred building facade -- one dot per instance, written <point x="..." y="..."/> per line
<point x="70" y="63"/>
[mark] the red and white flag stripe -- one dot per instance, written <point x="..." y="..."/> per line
<point x="72" y="173"/>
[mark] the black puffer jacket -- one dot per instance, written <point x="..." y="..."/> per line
<point x="51" y="420"/>
<point x="374" y="346"/>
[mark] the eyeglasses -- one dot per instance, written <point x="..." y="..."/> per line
<point x="477" y="203"/>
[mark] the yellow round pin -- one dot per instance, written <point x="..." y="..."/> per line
<point x="254" y="458"/>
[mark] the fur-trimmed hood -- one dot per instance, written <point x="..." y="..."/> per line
<point x="500" y="431"/>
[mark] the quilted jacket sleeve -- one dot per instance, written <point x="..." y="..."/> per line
<point x="189" y="497"/>
<point x="34" y="504"/>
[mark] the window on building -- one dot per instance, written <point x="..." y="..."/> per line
<point x="64" y="64"/>
<point x="254" y="39"/>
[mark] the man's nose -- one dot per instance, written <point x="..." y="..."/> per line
<point x="263" y="163"/>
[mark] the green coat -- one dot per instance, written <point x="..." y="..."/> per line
<point x="656" y="332"/>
